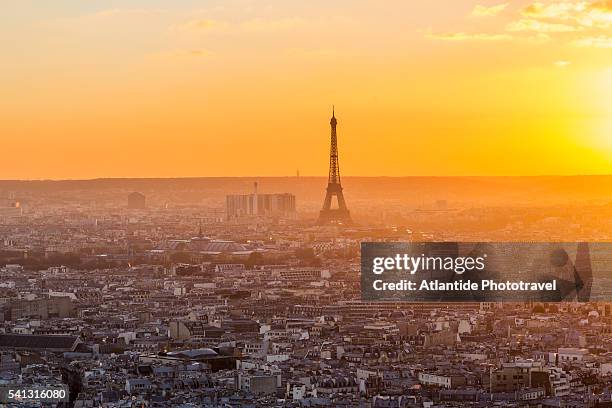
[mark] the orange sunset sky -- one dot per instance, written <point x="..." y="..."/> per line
<point x="236" y="87"/>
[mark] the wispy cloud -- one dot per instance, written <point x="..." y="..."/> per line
<point x="461" y="36"/>
<point x="596" y="42"/>
<point x="603" y="5"/>
<point x="581" y="23"/>
<point x="561" y="63"/>
<point x="597" y="14"/>
<point x="527" y="24"/>
<point x="488" y="11"/>
<point x="557" y="10"/>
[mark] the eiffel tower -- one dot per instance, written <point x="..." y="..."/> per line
<point x="329" y="215"/>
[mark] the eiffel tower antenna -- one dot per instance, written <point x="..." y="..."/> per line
<point x="329" y="215"/>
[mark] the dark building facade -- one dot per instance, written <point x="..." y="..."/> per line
<point x="136" y="201"/>
<point x="272" y="205"/>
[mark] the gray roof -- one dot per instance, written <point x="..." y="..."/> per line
<point x="194" y="353"/>
<point x="38" y="342"/>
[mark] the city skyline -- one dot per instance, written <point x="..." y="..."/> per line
<point x="151" y="89"/>
<point x="273" y="203"/>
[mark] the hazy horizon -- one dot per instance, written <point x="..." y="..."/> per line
<point x="416" y="189"/>
<point x="323" y="176"/>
